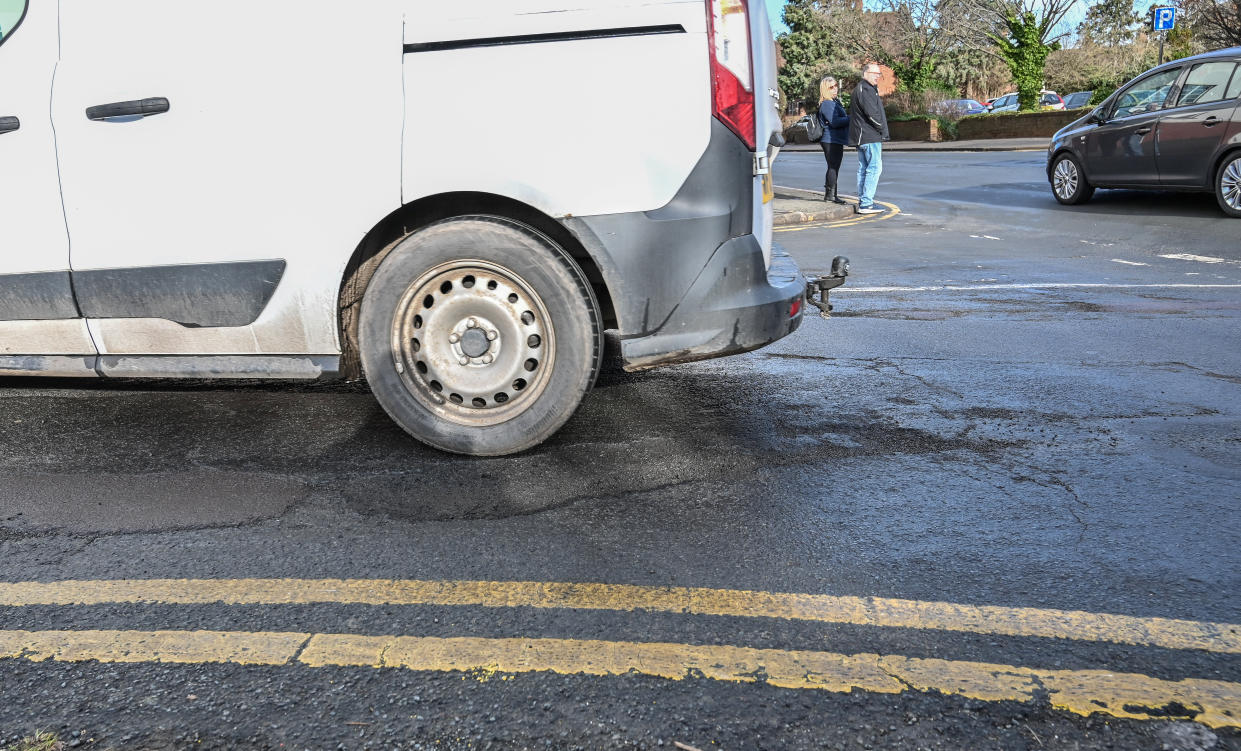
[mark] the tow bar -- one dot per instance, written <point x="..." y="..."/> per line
<point x="824" y="284"/>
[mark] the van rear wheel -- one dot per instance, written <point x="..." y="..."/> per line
<point x="479" y="335"/>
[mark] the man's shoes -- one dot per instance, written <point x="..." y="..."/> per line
<point x="868" y="210"/>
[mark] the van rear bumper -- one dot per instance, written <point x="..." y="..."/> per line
<point x="735" y="305"/>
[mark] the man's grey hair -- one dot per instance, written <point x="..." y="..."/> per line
<point x="868" y="67"/>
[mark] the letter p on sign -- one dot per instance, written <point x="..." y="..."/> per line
<point x="1165" y="19"/>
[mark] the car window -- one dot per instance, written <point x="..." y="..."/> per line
<point x="1234" y="88"/>
<point x="1050" y="99"/>
<point x="1079" y="99"/>
<point x="11" y="14"/>
<point x="1206" y="82"/>
<point x="1147" y="95"/>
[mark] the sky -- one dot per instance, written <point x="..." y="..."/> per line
<point x="773" y="10"/>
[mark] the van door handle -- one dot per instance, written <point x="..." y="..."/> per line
<point x="1212" y="120"/>
<point x="9" y="124"/>
<point x="135" y="109"/>
<point x="1143" y="131"/>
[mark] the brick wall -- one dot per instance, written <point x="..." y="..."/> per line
<point x="914" y="130"/>
<point x="1016" y="125"/>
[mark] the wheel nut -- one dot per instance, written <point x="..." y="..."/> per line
<point x="464" y="361"/>
<point x="491" y="336"/>
<point x="454" y="338"/>
<point x="487" y="359"/>
<point x="472" y="323"/>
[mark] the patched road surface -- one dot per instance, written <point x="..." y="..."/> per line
<point x="992" y="503"/>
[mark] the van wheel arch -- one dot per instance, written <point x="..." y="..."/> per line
<point x="410" y="218"/>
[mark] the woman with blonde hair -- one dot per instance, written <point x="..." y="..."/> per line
<point x="835" y="134"/>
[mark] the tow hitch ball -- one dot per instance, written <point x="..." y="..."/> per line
<point x="824" y="284"/>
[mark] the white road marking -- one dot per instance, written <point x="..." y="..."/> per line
<point x="1199" y="259"/>
<point x="1047" y="285"/>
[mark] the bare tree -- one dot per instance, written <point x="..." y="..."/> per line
<point x="1217" y="23"/>
<point x="1022" y="33"/>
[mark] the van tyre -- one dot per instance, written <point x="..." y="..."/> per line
<point x="1068" y="181"/>
<point x="1228" y="184"/>
<point x="479" y="335"/>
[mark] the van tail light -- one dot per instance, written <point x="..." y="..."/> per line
<point x="732" y="74"/>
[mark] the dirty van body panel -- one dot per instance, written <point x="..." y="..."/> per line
<point x="38" y="317"/>
<point x="36" y="296"/>
<point x="602" y="108"/>
<point x="242" y="167"/>
<point x="196" y="295"/>
<point x="693" y="279"/>
<point x="651" y="258"/>
<point x="665" y="198"/>
<point x="736" y="305"/>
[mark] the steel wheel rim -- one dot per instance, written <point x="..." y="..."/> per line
<point x="1066" y="178"/>
<point x="1230" y="184"/>
<point x="473" y="342"/>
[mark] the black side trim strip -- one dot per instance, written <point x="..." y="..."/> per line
<point x="37" y="296"/>
<point x="556" y="36"/>
<point x="208" y="294"/>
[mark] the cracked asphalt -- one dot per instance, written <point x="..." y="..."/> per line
<point x="1015" y="404"/>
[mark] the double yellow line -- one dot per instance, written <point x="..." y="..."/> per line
<point x="1214" y="703"/>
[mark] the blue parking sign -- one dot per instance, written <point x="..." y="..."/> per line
<point x="1165" y="19"/>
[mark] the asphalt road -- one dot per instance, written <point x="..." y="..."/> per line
<point x="913" y="519"/>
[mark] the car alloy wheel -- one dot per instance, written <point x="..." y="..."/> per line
<point x="1228" y="188"/>
<point x="1068" y="183"/>
<point x="1065" y="179"/>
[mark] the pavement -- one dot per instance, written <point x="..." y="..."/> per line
<point x="795" y="206"/>
<point x="978" y="144"/>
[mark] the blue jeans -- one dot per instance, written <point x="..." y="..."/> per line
<point x="869" y="165"/>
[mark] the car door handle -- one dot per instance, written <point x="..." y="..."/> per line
<point x="1142" y="131"/>
<point x="137" y="108"/>
<point x="1212" y="120"/>
<point x="9" y="124"/>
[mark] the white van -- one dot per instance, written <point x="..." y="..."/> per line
<point x="455" y="199"/>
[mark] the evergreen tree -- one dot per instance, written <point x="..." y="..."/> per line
<point x="1110" y="23"/>
<point x="805" y="48"/>
<point x="1022" y="45"/>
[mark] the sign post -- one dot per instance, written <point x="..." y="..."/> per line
<point x="1163" y="19"/>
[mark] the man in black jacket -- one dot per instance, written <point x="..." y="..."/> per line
<point x="868" y="129"/>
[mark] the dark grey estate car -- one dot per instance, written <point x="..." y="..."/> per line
<point x="1175" y="127"/>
